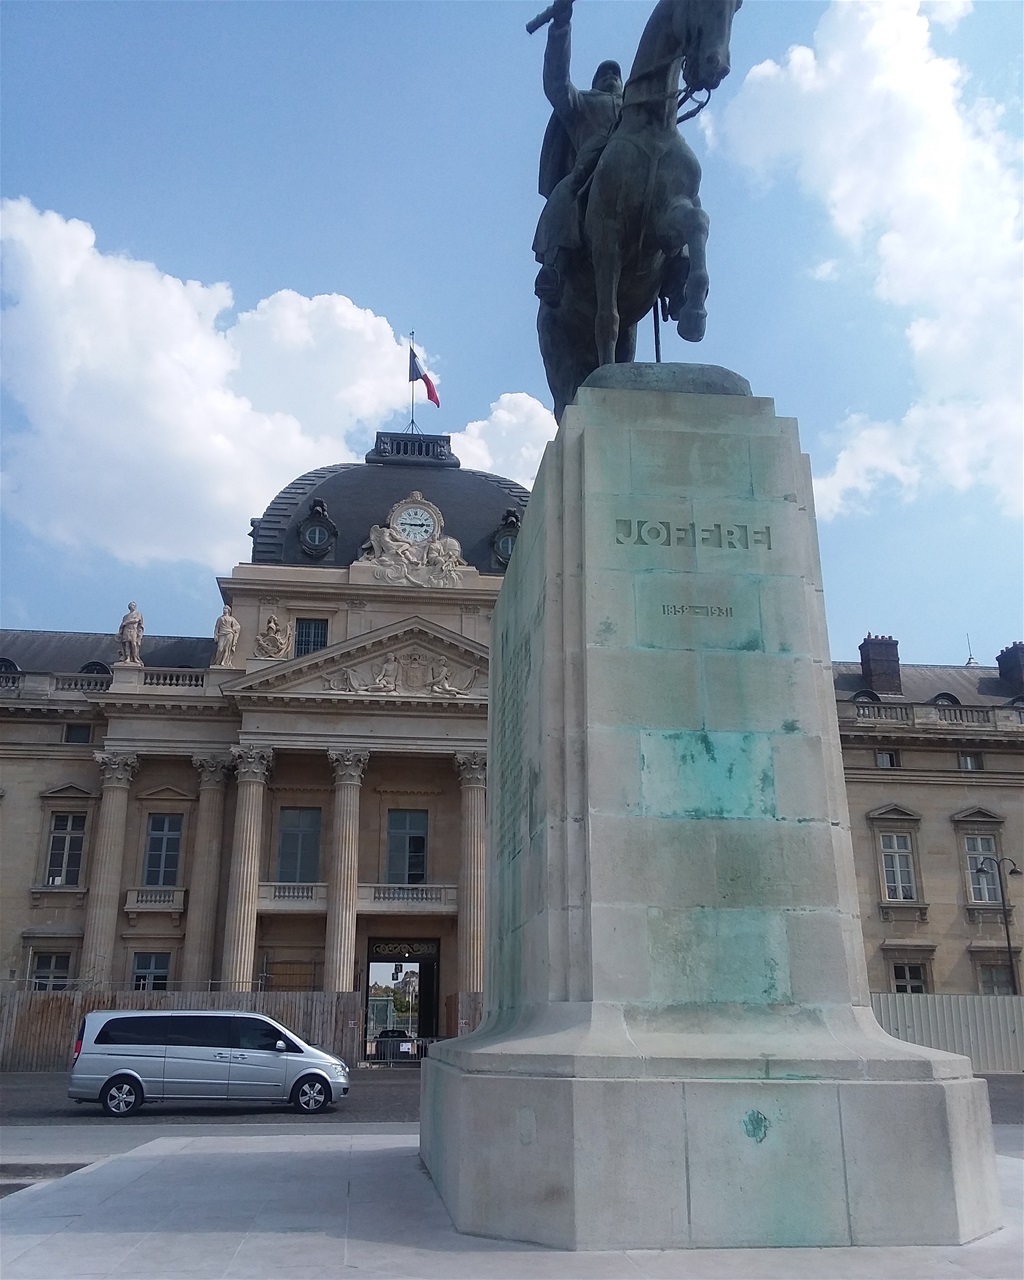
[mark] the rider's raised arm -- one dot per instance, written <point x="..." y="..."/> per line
<point x="558" y="88"/>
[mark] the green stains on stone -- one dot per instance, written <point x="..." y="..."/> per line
<point x="751" y="643"/>
<point x="701" y="774"/>
<point x="770" y="990"/>
<point x="791" y="726"/>
<point x="606" y="632"/>
<point x="756" y="1126"/>
<point x="718" y="956"/>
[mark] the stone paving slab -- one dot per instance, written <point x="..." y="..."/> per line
<point x="309" y="1207"/>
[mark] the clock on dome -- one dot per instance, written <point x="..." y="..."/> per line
<point x="416" y="524"/>
<point x="415" y="519"/>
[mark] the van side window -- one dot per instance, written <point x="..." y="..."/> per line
<point x="254" y="1033"/>
<point x="206" y="1031"/>
<point x="134" y="1031"/>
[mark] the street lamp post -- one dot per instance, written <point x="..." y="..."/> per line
<point x="1005" y="905"/>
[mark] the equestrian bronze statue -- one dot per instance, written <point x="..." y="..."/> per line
<point x="623" y="224"/>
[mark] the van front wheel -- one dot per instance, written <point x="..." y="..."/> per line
<point x="310" y="1095"/>
<point x="121" y="1096"/>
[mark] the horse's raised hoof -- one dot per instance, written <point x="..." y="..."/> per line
<point x="692" y="324"/>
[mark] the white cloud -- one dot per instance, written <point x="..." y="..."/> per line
<point x="924" y="187"/>
<point x="825" y="271"/>
<point x="510" y="440"/>
<point x="947" y="13"/>
<point x="153" y="433"/>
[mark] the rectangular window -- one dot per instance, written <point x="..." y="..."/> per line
<point x="78" y="733"/>
<point x="909" y="978"/>
<point x="298" y="846"/>
<point x="310" y="635"/>
<point x="995" y="980"/>
<point x="64" y="859"/>
<point x="970" y="760"/>
<point x="407" y="846"/>
<point x="150" y="970"/>
<point x="898" y="865"/>
<point x="163" y="849"/>
<point x="887" y="759"/>
<point x="51" y="970"/>
<point x="984" y="876"/>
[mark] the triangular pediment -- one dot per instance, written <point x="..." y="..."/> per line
<point x="412" y="659"/>
<point x="165" y="793"/>
<point x="69" y="791"/>
<point x="977" y="814"/>
<point x="894" y="813"/>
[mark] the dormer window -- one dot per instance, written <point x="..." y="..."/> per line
<point x="317" y="531"/>
<point x="504" y="538"/>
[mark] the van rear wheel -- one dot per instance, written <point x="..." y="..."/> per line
<point x="310" y="1095"/>
<point x="121" y="1096"/>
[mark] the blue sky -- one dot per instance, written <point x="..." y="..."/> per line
<point x="224" y="218"/>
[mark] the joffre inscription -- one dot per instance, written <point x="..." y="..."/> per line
<point x="663" y="533"/>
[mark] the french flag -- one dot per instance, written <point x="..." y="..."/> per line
<point x="417" y="373"/>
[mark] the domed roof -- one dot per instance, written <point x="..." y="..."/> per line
<point x="347" y="499"/>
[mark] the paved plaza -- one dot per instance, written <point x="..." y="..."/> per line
<point x="277" y="1206"/>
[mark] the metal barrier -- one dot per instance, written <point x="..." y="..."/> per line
<point x="987" y="1029"/>
<point x="395" y="1048"/>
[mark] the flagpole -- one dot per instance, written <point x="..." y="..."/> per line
<point x="412" y="387"/>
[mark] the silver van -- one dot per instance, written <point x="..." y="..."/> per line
<point x="124" y="1058"/>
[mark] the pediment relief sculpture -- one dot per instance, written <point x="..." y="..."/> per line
<point x="272" y="641"/>
<point x="412" y="548"/>
<point x="415" y="673"/>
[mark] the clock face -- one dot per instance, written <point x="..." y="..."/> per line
<point x="416" y="523"/>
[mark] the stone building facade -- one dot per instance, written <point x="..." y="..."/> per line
<point x="302" y="797"/>
<point x="934" y="765"/>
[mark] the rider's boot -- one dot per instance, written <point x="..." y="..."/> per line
<point x="548" y="285"/>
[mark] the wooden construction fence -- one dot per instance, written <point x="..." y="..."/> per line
<point x="38" y="1028"/>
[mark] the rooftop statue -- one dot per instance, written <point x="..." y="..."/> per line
<point x="129" y="636"/>
<point x="623" y="224"/>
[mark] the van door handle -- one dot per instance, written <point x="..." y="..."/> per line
<point x="223" y="1057"/>
<point x="238" y="1057"/>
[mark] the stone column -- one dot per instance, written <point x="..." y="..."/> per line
<point x="104" y="895"/>
<point x="472" y="771"/>
<point x="253" y="766"/>
<point x="343" y="871"/>
<point x="201" y="919"/>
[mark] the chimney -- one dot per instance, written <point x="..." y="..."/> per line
<point x="880" y="663"/>
<point x="1011" y="666"/>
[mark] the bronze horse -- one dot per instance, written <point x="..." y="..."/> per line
<point x="644" y="231"/>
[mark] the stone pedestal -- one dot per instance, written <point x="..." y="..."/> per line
<point x="677" y="1049"/>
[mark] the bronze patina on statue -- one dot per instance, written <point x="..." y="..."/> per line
<point x="623" y="224"/>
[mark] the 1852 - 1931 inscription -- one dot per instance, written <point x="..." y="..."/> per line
<point x="664" y="533"/>
<point x="697" y="610"/>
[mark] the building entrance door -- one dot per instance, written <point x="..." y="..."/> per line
<point x="401" y="998"/>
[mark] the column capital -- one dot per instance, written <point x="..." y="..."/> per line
<point x="348" y="765"/>
<point x="472" y="769"/>
<point x="252" y="764"/>
<point x="212" y="770"/>
<point x="116" y="768"/>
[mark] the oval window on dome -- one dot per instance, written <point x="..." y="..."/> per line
<point x="317" y="536"/>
